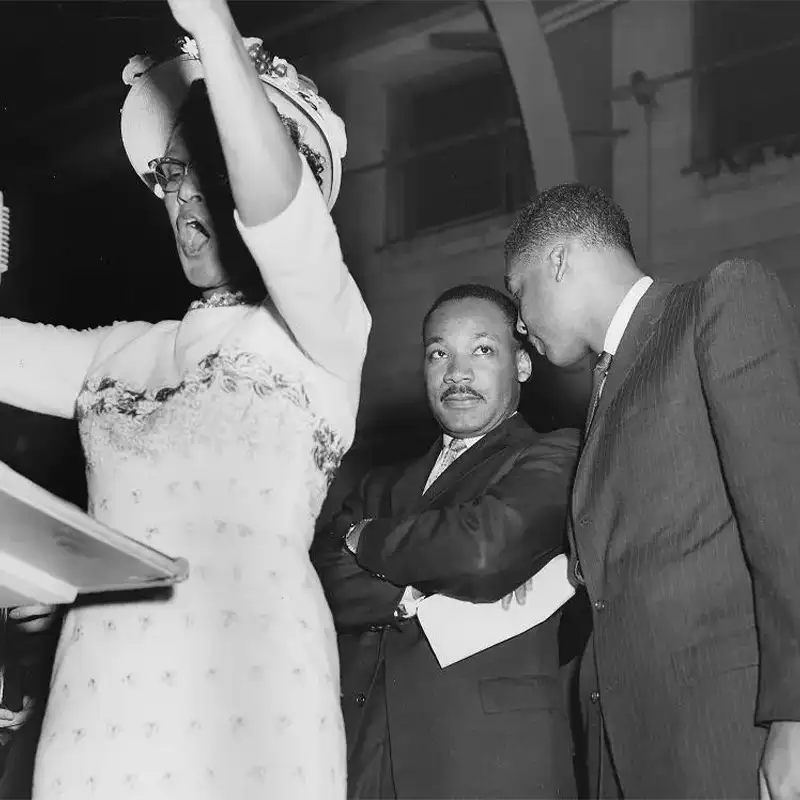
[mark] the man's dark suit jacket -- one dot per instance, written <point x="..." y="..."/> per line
<point x="686" y="515"/>
<point x="493" y="725"/>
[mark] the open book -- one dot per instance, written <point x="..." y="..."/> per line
<point x="50" y="551"/>
<point x="457" y="629"/>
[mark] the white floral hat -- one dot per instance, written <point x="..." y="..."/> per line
<point x="158" y="90"/>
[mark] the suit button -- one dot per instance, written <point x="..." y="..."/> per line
<point x="599" y="605"/>
<point x="594" y="697"/>
<point x="584" y="519"/>
<point x="360" y="699"/>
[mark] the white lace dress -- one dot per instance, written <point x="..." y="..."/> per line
<point x="213" y="438"/>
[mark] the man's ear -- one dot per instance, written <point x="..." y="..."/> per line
<point x="558" y="261"/>
<point x="524" y="365"/>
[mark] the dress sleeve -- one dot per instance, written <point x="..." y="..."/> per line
<point x="43" y="367"/>
<point x="300" y="260"/>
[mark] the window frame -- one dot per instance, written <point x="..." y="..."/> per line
<point x="398" y="226"/>
<point x="707" y="155"/>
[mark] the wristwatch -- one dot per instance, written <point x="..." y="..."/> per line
<point x="350" y="539"/>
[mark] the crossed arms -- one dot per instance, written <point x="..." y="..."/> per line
<point x="478" y="550"/>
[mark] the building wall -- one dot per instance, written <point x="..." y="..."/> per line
<point x="400" y="280"/>
<point x="696" y="222"/>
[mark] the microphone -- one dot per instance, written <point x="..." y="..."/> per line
<point x="5" y="235"/>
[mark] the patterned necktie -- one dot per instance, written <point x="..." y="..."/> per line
<point x="599" y="375"/>
<point x="448" y="455"/>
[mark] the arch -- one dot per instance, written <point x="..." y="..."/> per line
<point x="533" y="72"/>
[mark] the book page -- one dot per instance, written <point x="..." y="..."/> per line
<point x="50" y="547"/>
<point x="457" y="629"/>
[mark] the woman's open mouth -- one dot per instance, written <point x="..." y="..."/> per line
<point x="193" y="234"/>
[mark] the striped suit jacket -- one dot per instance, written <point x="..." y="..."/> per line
<point x="686" y="521"/>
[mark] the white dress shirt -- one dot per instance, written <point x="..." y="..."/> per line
<point x="622" y="316"/>
<point x="409" y="602"/>
<point x="445" y="455"/>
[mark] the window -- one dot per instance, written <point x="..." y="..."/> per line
<point x="459" y="153"/>
<point x="747" y="95"/>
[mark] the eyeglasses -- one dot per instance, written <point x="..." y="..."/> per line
<point x="170" y="173"/>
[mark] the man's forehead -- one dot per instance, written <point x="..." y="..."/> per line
<point x="467" y="309"/>
<point x="177" y="143"/>
<point x="474" y="329"/>
<point x="472" y="317"/>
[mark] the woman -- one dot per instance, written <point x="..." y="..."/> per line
<point x="216" y="438"/>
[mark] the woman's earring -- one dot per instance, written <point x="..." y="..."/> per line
<point x="158" y="191"/>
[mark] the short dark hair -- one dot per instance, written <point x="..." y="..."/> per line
<point x="476" y="291"/>
<point x="569" y="210"/>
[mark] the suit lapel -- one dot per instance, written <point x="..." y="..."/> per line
<point x="641" y="327"/>
<point x="493" y="442"/>
<point x="408" y="489"/>
<point x="640" y="330"/>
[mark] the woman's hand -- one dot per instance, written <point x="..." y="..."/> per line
<point x="33" y="619"/>
<point x="199" y="16"/>
<point x="13" y="720"/>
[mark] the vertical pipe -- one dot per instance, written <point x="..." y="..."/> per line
<point x="648" y="118"/>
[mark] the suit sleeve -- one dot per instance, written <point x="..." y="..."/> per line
<point x="483" y="549"/>
<point x="357" y="598"/>
<point x="749" y="359"/>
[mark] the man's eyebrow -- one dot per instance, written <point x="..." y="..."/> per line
<point x="486" y="335"/>
<point x="432" y="340"/>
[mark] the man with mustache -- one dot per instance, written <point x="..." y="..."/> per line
<point x="473" y="519"/>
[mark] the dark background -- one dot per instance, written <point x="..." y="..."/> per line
<point x="89" y="244"/>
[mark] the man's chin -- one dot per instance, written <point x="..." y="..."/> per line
<point x="467" y="422"/>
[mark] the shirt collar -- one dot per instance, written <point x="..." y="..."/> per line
<point x="467" y="441"/>
<point x="446" y="439"/>
<point x="622" y="316"/>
